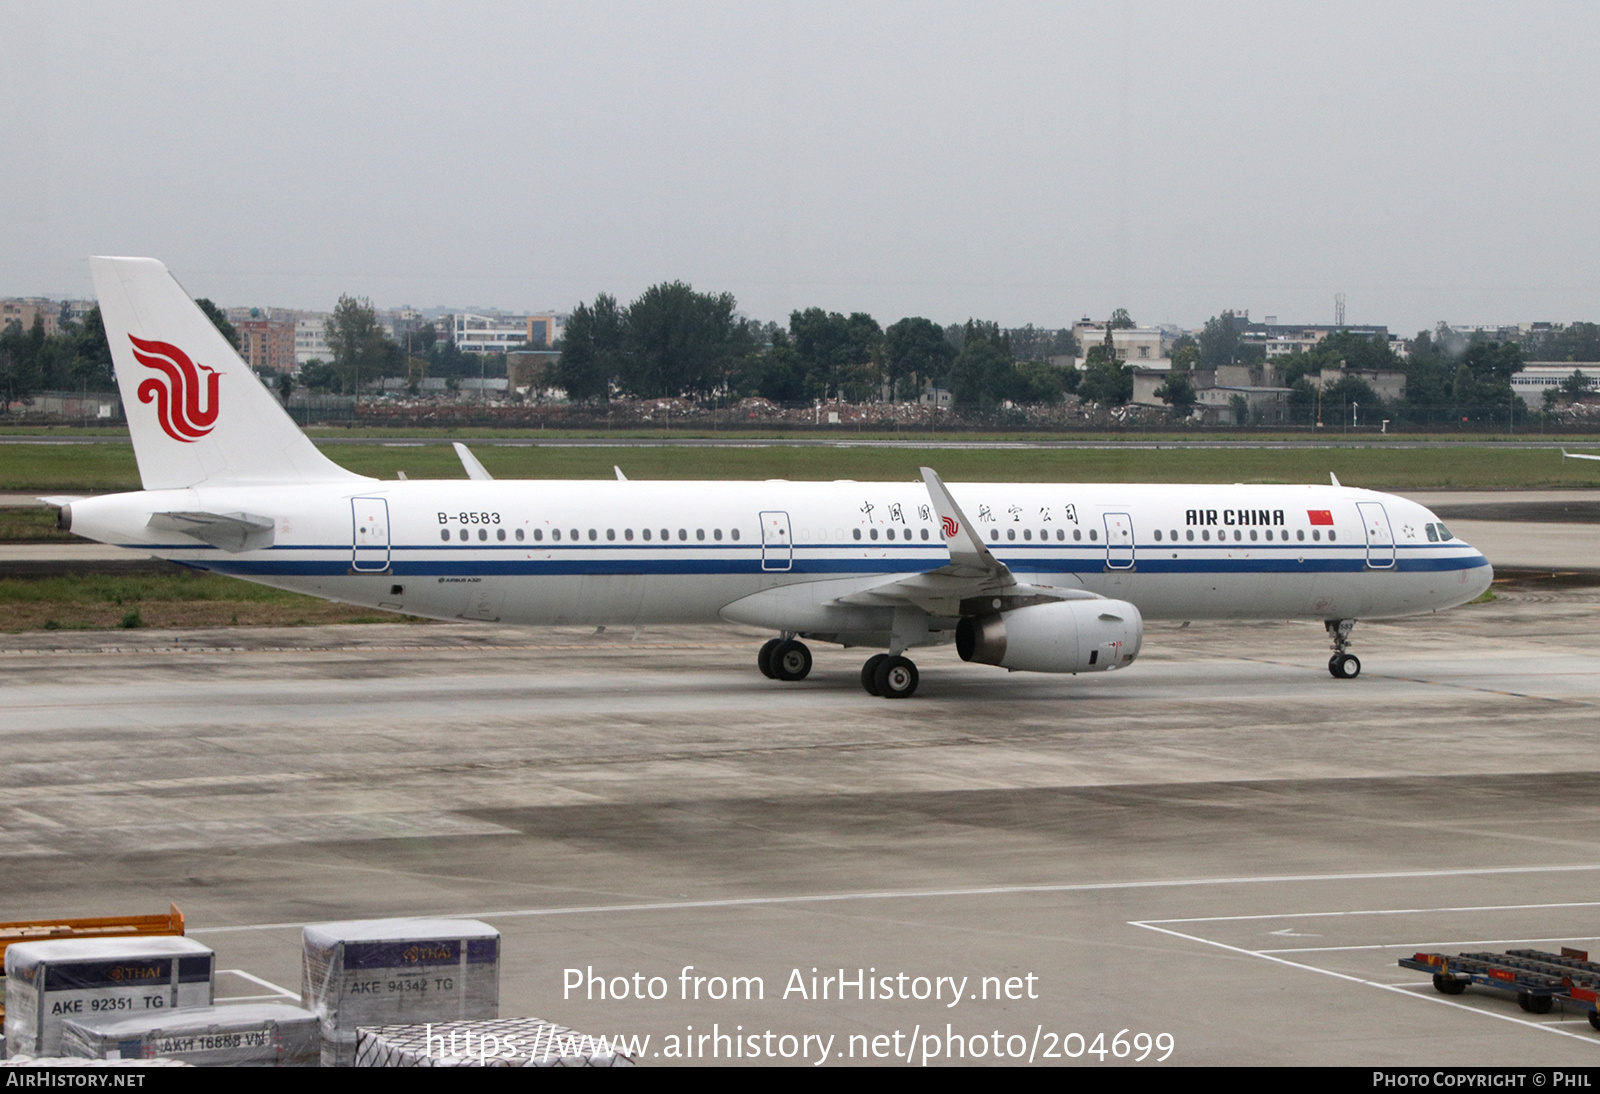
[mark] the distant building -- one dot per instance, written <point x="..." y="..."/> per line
<point x="1538" y="376"/>
<point x="1261" y="387"/>
<point x="23" y="310"/>
<point x="1141" y="347"/>
<point x="496" y="333"/>
<point x="267" y="343"/>
<point x="311" y="339"/>
<point x="1389" y="384"/>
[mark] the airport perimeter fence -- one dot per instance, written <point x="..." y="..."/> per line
<point x="104" y="409"/>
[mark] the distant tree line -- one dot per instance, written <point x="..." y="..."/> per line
<point x="674" y="341"/>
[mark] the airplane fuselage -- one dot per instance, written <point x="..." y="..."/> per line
<point x="636" y="552"/>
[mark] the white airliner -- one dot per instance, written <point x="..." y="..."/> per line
<point x="1042" y="578"/>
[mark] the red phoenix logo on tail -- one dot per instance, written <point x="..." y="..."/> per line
<point x="950" y="527"/>
<point x="178" y="399"/>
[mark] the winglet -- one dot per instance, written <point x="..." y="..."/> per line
<point x="1334" y="478"/>
<point x="620" y="476"/>
<point x="966" y="549"/>
<point x="475" y="470"/>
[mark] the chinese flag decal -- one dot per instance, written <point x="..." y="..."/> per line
<point x="1320" y="516"/>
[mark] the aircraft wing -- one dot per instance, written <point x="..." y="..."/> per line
<point x="229" y="531"/>
<point x="1577" y="455"/>
<point x="974" y="582"/>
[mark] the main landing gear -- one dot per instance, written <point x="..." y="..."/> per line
<point x="784" y="659"/>
<point x="1342" y="665"/>
<point x="889" y="676"/>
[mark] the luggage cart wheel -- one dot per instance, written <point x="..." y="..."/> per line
<point x="1449" y="985"/>
<point x="1594" y="1019"/>
<point x="1533" y="1004"/>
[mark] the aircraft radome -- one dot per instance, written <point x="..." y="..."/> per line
<point x="1034" y="577"/>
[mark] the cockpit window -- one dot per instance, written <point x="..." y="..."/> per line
<point x="1444" y="533"/>
<point x="1433" y="533"/>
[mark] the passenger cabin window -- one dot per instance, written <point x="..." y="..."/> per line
<point x="463" y="535"/>
<point x="683" y="533"/>
<point x="646" y="534"/>
<point x="700" y="534"/>
<point x="627" y="534"/>
<point x="500" y="534"/>
<point x="1316" y="534"/>
<point x="445" y="533"/>
<point x="734" y="533"/>
<point x="1094" y="534"/>
<point x="1189" y="535"/>
<point x="593" y="535"/>
<point x="575" y="536"/>
<point x="538" y="535"/>
<point x="1206" y="535"/>
<point x="872" y="533"/>
<point x="520" y="535"/>
<point x="666" y="534"/>
<point x="1011" y="533"/>
<point x="994" y="533"/>
<point x="483" y="534"/>
<point x="1077" y="533"/>
<point x="1252" y="535"/>
<point x="1300" y="534"/>
<point x="611" y="533"/>
<point x="717" y="535"/>
<point x="1158" y="535"/>
<point x="1332" y="535"/>
<point x="924" y="534"/>
<point x="856" y="532"/>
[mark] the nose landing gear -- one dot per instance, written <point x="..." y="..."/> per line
<point x="1342" y="665"/>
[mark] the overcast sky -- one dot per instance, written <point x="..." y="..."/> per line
<point x="1016" y="162"/>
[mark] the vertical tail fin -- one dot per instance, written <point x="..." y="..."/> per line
<point x="197" y="414"/>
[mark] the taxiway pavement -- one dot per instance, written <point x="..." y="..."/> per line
<point x="1221" y="842"/>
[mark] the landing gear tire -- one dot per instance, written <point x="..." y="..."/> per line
<point x="1448" y="985"/>
<point x="764" y="658"/>
<point x="896" y="678"/>
<point x="790" y="661"/>
<point x="869" y="673"/>
<point x="1344" y="666"/>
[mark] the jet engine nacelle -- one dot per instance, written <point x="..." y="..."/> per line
<point x="1059" y="636"/>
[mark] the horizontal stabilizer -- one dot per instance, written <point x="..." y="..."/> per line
<point x="1577" y="455"/>
<point x="230" y="531"/>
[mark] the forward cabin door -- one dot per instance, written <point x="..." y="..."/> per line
<point x="1119" y="541"/>
<point x="777" y="544"/>
<point x="370" y="517"/>
<point x="1380" y="537"/>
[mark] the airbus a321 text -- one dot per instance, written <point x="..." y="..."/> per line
<point x="1041" y="578"/>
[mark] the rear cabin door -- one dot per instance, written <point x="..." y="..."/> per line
<point x="370" y="517"/>
<point x="1380" y="537"/>
<point x="777" y="544"/>
<point x="1119" y="541"/>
